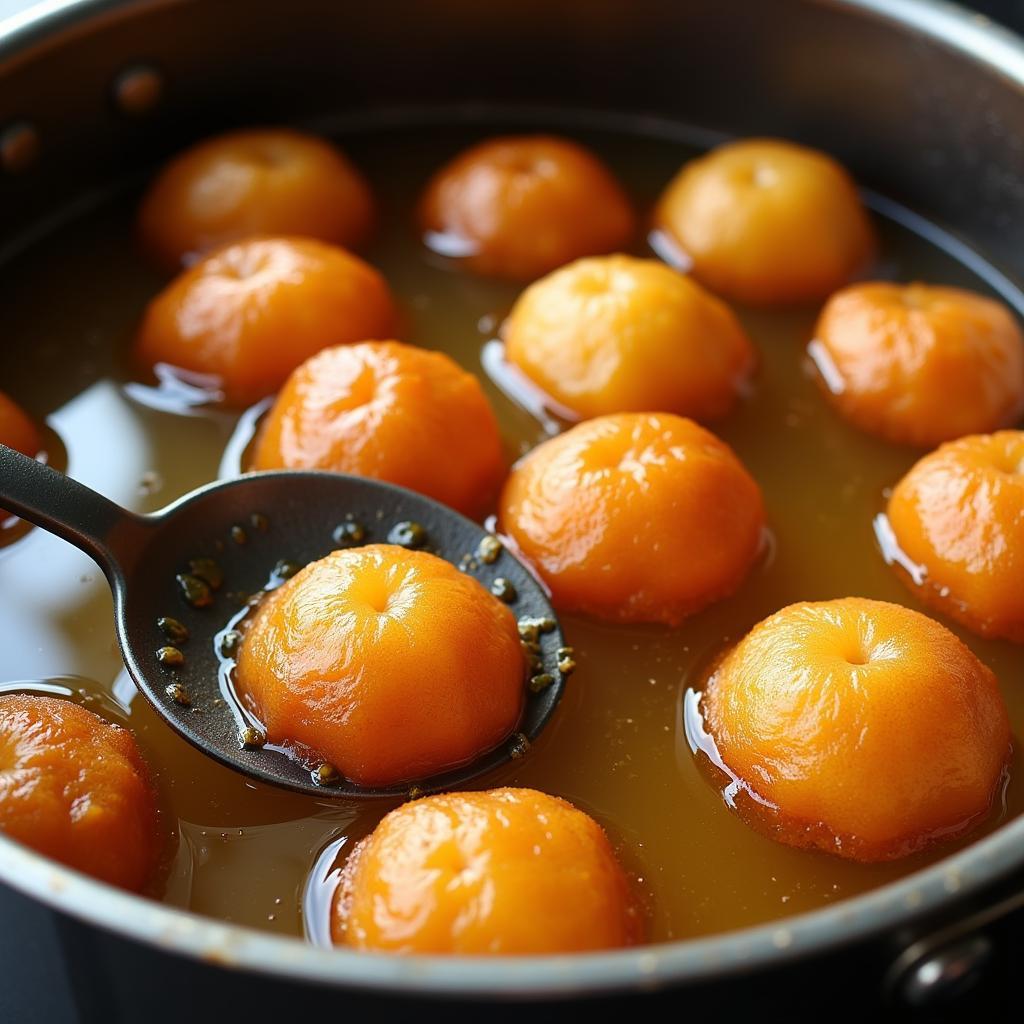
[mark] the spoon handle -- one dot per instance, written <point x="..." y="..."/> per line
<point x="109" y="534"/>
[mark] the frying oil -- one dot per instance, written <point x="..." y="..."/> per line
<point x="617" y="748"/>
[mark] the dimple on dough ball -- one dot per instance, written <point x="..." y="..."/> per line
<point x="17" y="430"/>
<point x="868" y="729"/>
<point x="75" y="788"/>
<point x="764" y="221"/>
<point x="638" y="517"/>
<point x="250" y="313"/>
<point x="264" y="181"/>
<point x="918" y="364"/>
<point x="389" y="664"/>
<point x="389" y="411"/>
<point x="519" y="206"/>
<point x="503" y="872"/>
<point x="959" y="515"/>
<point x="618" y="334"/>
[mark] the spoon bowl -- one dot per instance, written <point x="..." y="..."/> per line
<point x="200" y="560"/>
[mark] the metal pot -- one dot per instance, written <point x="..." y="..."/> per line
<point x="924" y="101"/>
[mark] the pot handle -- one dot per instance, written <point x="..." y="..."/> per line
<point x="946" y="963"/>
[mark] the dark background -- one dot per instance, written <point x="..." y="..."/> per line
<point x="1009" y="11"/>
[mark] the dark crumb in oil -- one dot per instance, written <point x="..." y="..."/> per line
<point x="407" y="534"/>
<point x="238" y="535"/>
<point x="541" y="682"/>
<point x="530" y="627"/>
<point x="170" y="657"/>
<point x="325" y="775"/>
<point x="349" y="533"/>
<point x="259" y="522"/>
<point x="175" y="631"/>
<point x="531" y="651"/>
<point x="518" y="746"/>
<point x="208" y="571"/>
<point x="178" y="694"/>
<point x="503" y="589"/>
<point x="228" y="645"/>
<point x="251" y="738"/>
<point x="150" y="483"/>
<point x="415" y="792"/>
<point x="489" y="549"/>
<point x="195" y="591"/>
<point x="565" y="657"/>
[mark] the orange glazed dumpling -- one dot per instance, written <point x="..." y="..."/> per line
<point x="639" y="517"/>
<point x="75" y="788"/>
<point x="504" y="872"/>
<point x="618" y="334"/>
<point x="765" y="221"/>
<point x="393" y="412"/>
<point x="958" y="516"/>
<point x="17" y="430"/>
<point x="518" y="207"/>
<point x="389" y="664"/>
<point x="859" y="727"/>
<point x="265" y="181"/>
<point x="917" y="364"/>
<point x="250" y="313"/>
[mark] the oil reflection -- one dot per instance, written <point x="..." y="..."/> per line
<point x="318" y="894"/>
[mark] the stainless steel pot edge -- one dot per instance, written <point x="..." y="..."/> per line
<point x="650" y="967"/>
<point x="968" y="32"/>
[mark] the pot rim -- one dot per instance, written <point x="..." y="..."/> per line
<point x="647" y="967"/>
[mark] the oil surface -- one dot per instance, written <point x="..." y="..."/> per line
<point x="616" y="747"/>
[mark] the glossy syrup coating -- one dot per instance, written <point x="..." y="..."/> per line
<point x="918" y="364"/>
<point x="389" y="664"/>
<point x="389" y="411"/>
<point x="959" y="515"/>
<point x="250" y="313"/>
<point x="17" y="430"/>
<point x="74" y="787"/>
<point x="764" y="222"/>
<point x="615" y="334"/>
<point x="638" y="517"/>
<point x="264" y="181"/>
<point x="519" y="206"/>
<point x="502" y="872"/>
<point x="865" y="729"/>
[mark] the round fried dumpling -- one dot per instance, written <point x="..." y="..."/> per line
<point x="616" y="334"/>
<point x="916" y="364"/>
<point x="639" y="517"/>
<point x="389" y="664"/>
<point x="75" y="788"/>
<point x="520" y="206"/>
<point x="504" y="872"/>
<point x="249" y="314"/>
<point x="262" y="181"/>
<point x="765" y="222"/>
<point x="959" y="516"/>
<point x="862" y="728"/>
<point x="392" y="412"/>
